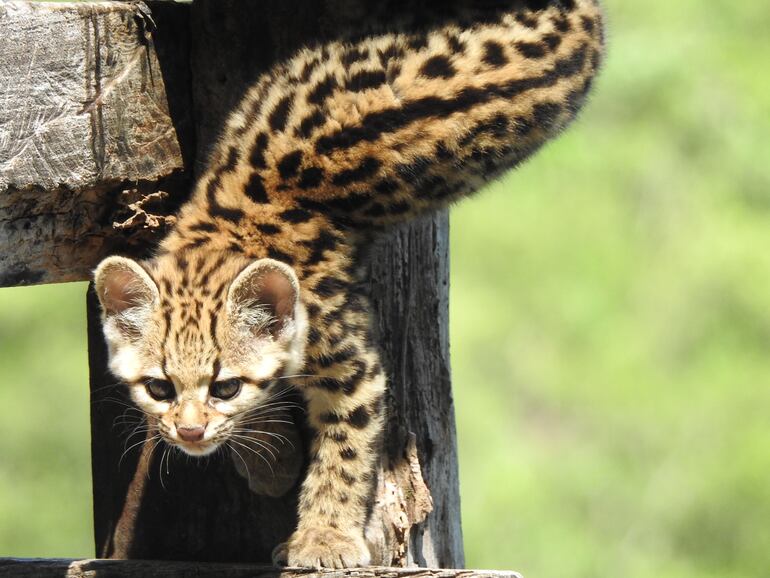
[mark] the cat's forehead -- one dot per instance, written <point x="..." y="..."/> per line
<point x="195" y="275"/>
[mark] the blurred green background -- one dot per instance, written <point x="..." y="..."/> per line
<point x="610" y="319"/>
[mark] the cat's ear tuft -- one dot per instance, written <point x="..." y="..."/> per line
<point x="264" y="296"/>
<point x="122" y="284"/>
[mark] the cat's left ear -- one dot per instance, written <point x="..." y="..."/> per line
<point x="265" y="296"/>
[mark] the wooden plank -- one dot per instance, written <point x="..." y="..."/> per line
<point x="409" y="269"/>
<point x="140" y="568"/>
<point x="85" y="131"/>
<point x="207" y="512"/>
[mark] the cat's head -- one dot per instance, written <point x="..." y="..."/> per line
<point x="202" y="345"/>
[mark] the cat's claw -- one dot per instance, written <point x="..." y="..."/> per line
<point x="323" y="548"/>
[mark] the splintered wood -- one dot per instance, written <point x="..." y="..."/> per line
<point x="402" y="502"/>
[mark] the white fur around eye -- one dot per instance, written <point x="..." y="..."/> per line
<point x="146" y="402"/>
<point x="248" y="398"/>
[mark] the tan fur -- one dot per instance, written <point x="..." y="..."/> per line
<point x="333" y="146"/>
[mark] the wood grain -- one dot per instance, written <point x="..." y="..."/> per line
<point x="85" y="130"/>
<point x="141" y="568"/>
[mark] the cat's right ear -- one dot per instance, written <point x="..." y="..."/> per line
<point x="123" y="286"/>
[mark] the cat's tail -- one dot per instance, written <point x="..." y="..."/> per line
<point x="391" y="126"/>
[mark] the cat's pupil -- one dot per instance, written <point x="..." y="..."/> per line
<point x="225" y="389"/>
<point x="160" y="389"/>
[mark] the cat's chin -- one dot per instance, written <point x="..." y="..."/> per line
<point x="198" y="449"/>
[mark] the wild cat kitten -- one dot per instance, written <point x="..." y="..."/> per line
<point x="260" y="277"/>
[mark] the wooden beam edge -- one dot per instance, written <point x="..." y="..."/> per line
<point x="93" y="568"/>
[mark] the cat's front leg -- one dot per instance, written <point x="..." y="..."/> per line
<point x="345" y="411"/>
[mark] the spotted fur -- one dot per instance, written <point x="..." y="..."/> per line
<point x="260" y="279"/>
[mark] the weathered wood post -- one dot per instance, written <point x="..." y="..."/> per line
<point x="118" y="113"/>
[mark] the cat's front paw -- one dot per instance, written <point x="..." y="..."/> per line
<point x="323" y="548"/>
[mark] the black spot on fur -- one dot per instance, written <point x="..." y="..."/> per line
<point x="359" y="418"/>
<point x="412" y="172"/>
<point x="351" y="384"/>
<point x="366" y="169"/>
<point x="438" y="67"/>
<point x="522" y="126"/>
<point x="311" y="204"/>
<point x="257" y="157"/>
<point x="386" y="186"/>
<point x="348" y="454"/>
<point x="215" y="209"/>
<point x="340" y="437"/>
<point x="327" y="383"/>
<point x="366" y="79"/>
<point x="561" y="24"/>
<point x="399" y="208"/>
<point x="347" y="478"/>
<point x="289" y="164"/>
<point x="496" y="126"/>
<point x="494" y="54"/>
<point x="350" y="203"/>
<point x="324" y="242"/>
<point x="268" y="229"/>
<point x="280" y="114"/>
<point x="393" y="71"/>
<point x="322" y="90"/>
<point x="307" y="70"/>
<point x="296" y="216"/>
<point x="255" y="189"/>
<point x="313" y="309"/>
<point x="553" y="41"/>
<point x="531" y="49"/>
<point x="573" y="64"/>
<point x="311" y="178"/>
<point x="389" y="53"/>
<point x="310" y="123"/>
<point x="329" y="418"/>
<point x="337" y="357"/>
<point x="329" y="286"/>
<point x="313" y="336"/>
<point x="279" y="255"/>
<point x="455" y="44"/>
<point x="442" y="152"/>
<point x="203" y="227"/>
<point x="353" y="55"/>
<point x="417" y="42"/>
<point x="527" y="20"/>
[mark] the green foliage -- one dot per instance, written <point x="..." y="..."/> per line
<point x="610" y="318"/>
<point x="610" y="330"/>
<point x="45" y="469"/>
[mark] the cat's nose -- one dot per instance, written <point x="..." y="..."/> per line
<point x="190" y="433"/>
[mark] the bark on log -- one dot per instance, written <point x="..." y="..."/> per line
<point x="140" y="568"/>
<point x="61" y="194"/>
<point x="85" y="131"/>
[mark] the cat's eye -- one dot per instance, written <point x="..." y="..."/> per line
<point x="225" y="389"/>
<point x="160" y="389"/>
